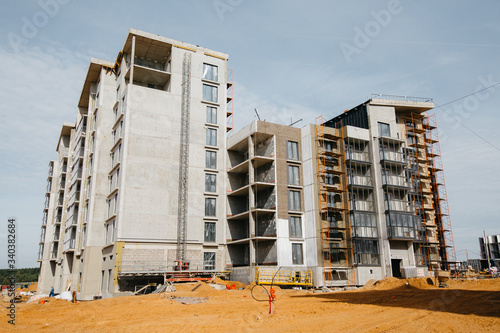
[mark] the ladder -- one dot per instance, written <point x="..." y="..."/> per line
<point x="184" y="158"/>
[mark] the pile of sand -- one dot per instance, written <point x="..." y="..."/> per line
<point x="31" y="288"/>
<point x="392" y="283"/>
<point x="471" y="307"/>
<point x="236" y="284"/>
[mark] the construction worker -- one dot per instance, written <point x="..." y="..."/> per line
<point x="51" y="294"/>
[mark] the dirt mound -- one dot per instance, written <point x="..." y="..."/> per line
<point x="392" y="283"/>
<point x="472" y="306"/>
<point x="31" y="288"/>
<point x="236" y="284"/>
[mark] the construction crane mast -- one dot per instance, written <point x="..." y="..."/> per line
<point x="183" y="162"/>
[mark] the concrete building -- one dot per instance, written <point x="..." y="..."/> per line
<point x="399" y="218"/>
<point x="490" y="248"/>
<point x="147" y="187"/>
<point x="143" y="168"/>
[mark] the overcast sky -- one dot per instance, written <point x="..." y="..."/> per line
<point x="291" y="60"/>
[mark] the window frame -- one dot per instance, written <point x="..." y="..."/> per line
<point x="292" y="150"/>
<point x="211" y="113"/>
<point x="210" y="93"/>
<point x="297" y="257"/>
<point x="295" y="226"/>
<point x="211" y="137"/>
<point x="207" y="258"/>
<point x="210" y="209"/>
<point x="210" y="156"/>
<point x="208" y="72"/>
<point x="293" y="175"/>
<point x="293" y="204"/>
<point x="210" y="182"/>
<point x="210" y="232"/>
<point x="383" y="129"/>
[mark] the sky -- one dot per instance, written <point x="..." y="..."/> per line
<point x="291" y="60"/>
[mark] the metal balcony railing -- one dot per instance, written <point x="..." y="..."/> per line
<point x="359" y="180"/>
<point x="395" y="181"/>
<point x="361" y="205"/>
<point x="392" y="156"/>
<point x="69" y="244"/>
<point x="397" y="205"/>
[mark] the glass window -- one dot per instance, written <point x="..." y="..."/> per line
<point x="211" y="137"/>
<point x="297" y="256"/>
<point x="209" y="206"/>
<point x="292" y="151"/>
<point x="210" y="182"/>
<point x="209" y="232"/>
<point x="210" y="93"/>
<point x="295" y="226"/>
<point x="384" y="129"/>
<point x="209" y="261"/>
<point x="293" y="200"/>
<point x="211" y="159"/>
<point x="366" y="252"/>
<point x="293" y="175"/>
<point x="211" y="115"/>
<point x="210" y="72"/>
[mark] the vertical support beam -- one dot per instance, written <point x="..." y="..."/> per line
<point x="132" y="61"/>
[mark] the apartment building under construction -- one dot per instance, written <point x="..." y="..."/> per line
<point x="151" y="184"/>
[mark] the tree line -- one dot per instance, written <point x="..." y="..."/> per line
<point x="22" y="275"/>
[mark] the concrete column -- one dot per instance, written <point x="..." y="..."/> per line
<point x="132" y="56"/>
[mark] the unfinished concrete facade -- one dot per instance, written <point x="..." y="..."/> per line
<point x="265" y="201"/>
<point x="145" y="178"/>
<point x="158" y="110"/>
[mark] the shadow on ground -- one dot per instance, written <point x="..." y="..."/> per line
<point x="465" y="302"/>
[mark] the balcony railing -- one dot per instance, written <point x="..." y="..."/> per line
<point x="357" y="156"/>
<point x="161" y="66"/>
<point x="360" y="180"/>
<point x="53" y="254"/>
<point x="361" y="205"/>
<point x="55" y="236"/>
<point x="82" y="127"/>
<point x="392" y="156"/>
<point x="397" y="205"/>
<point x="69" y="244"/>
<point x="395" y="181"/>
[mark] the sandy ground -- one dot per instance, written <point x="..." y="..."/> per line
<point x="390" y="305"/>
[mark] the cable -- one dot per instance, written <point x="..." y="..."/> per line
<point x="458" y="121"/>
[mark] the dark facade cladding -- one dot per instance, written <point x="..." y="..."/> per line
<point x="357" y="117"/>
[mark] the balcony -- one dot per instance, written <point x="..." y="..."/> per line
<point x="149" y="71"/>
<point x="69" y="244"/>
<point x="355" y="180"/>
<point x="53" y="254"/>
<point x="79" y="152"/>
<point x="393" y="156"/>
<point x="362" y="205"/>
<point x="398" y="181"/>
<point x="82" y="127"/>
<point x="397" y="205"/>
<point x="359" y="156"/>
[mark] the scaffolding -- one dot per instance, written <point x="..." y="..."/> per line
<point x="336" y="241"/>
<point x="444" y="231"/>
<point x="362" y="213"/>
<point x="436" y="244"/>
<point x="420" y="189"/>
